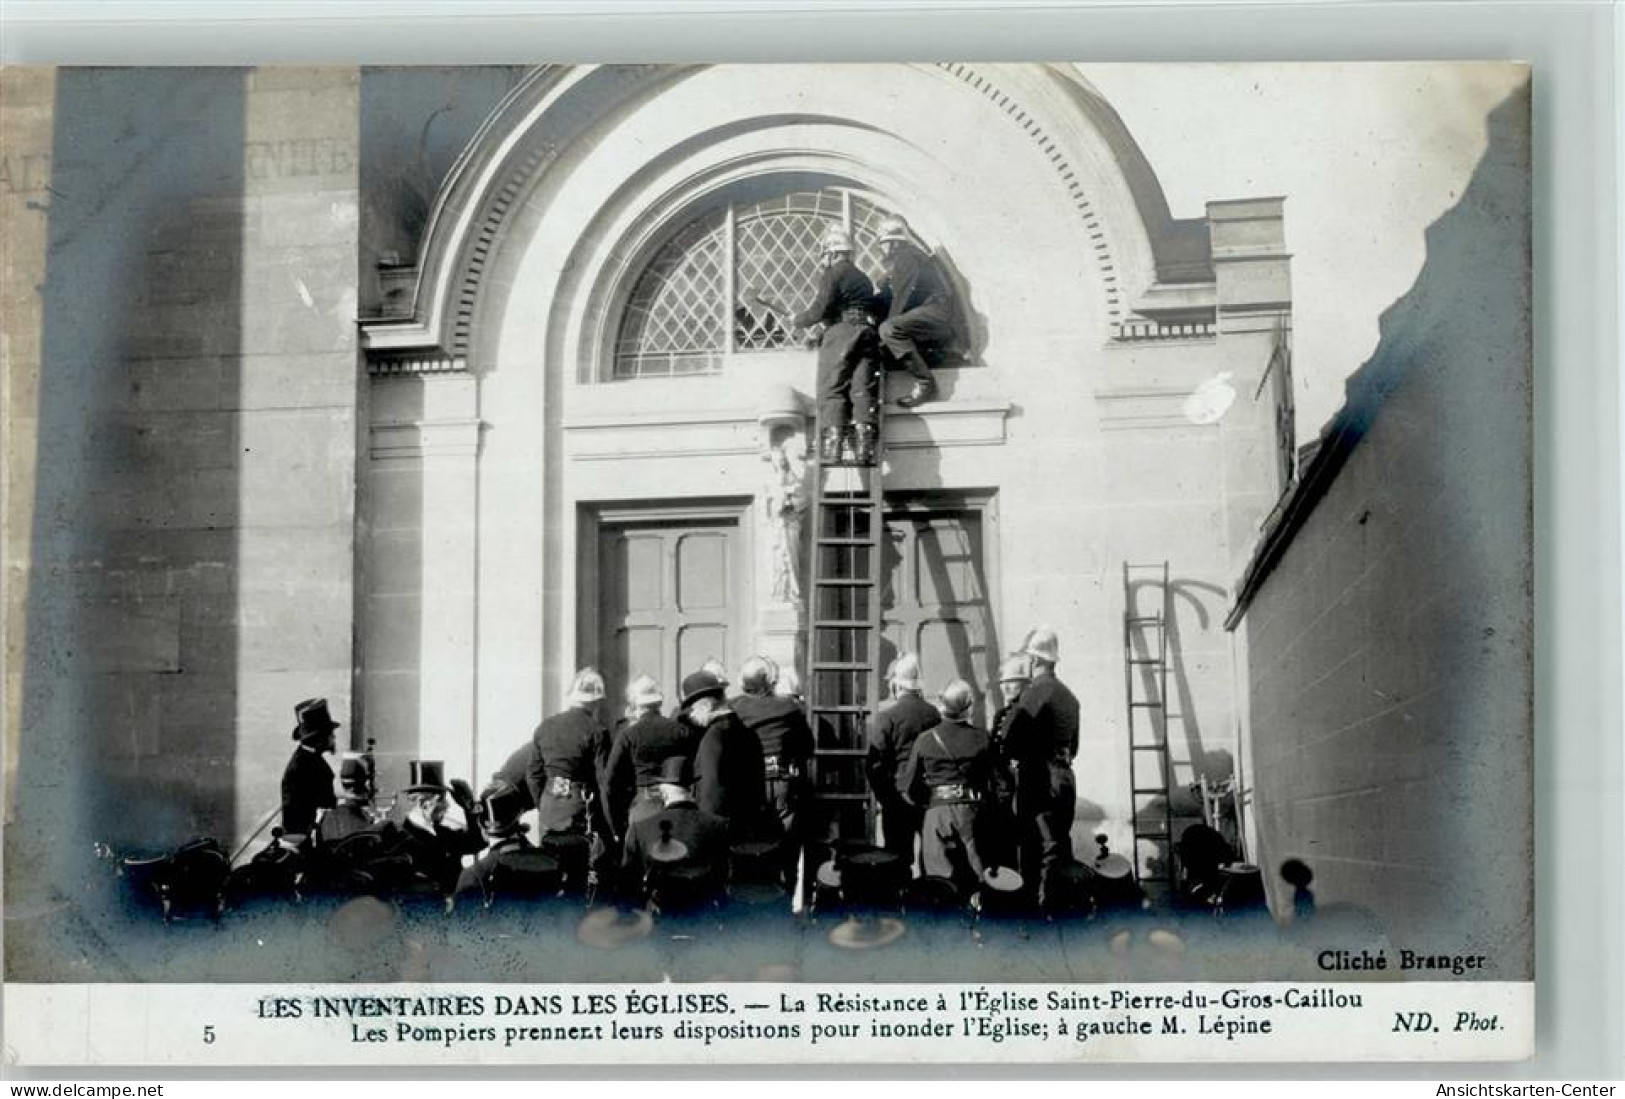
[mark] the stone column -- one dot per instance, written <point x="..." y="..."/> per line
<point x="784" y="504"/>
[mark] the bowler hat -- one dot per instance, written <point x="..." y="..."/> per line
<point x="313" y="719"/>
<point x="500" y="807"/>
<point x="700" y="684"/>
<point x="353" y="770"/>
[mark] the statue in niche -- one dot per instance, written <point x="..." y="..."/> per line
<point x="784" y="499"/>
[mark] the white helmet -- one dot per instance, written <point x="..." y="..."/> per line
<point x="586" y="687"/>
<point x="905" y="672"/>
<point x="836" y="239"/>
<point x="892" y="228"/>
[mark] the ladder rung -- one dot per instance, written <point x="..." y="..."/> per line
<point x="843" y="623"/>
<point x="837" y="582"/>
<point x="841" y="666"/>
<point x="1148" y="747"/>
<point x="817" y="709"/>
<point x="1148" y="705"/>
<point x="865" y="542"/>
<point x="1142" y="791"/>
<point x="1144" y="620"/>
<point x="1145" y="662"/>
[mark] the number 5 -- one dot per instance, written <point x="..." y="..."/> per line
<point x="208" y="1035"/>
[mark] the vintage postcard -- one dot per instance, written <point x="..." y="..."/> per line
<point x="767" y="563"/>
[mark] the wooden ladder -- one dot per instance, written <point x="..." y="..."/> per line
<point x="1145" y="676"/>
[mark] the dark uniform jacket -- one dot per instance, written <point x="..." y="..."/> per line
<point x="570" y="745"/>
<point x="346" y="819"/>
<point x="841" y="286"/>
<point x="952" y="753"/>
<point x="1044" y="727"/>
<point x="475" y="879"/>
<point x="892" y="734"/>
<point x="438" y="855"/>
<point x="729" y="779"/>
<point x="640" y="750"/>
<point x="781" y="727"/>
<point x="307" y="785"/>
<point x="912" y="279"/>
<point x="704" y="834"/>
<point x="515" y="771"/>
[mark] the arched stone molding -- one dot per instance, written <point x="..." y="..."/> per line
<point x="544" y="124"/>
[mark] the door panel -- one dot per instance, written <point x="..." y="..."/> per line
<point x="666" y="600"/>
<point x="936" y="599"/>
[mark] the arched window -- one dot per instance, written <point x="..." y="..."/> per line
<point x="687" y="311"/>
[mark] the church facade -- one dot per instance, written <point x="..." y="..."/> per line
<point x="425" y="402"/>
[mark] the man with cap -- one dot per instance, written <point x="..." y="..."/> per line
<point x="354" y="812"/>
<point x="501" y="805"/>
<point x="307" y="781"/>
<point x="569" y="764"/>
<point x="1041" y="738"/>
<point x="892" y="733"/>
<point x="639" y="753"/>
<point x="729" y="778"/>
<point x="917" y="302"/>
<point x="681" y="842"/>
<point x="947" y="777"/>
<point x="999" y="815"/>
<point x="781" y="728"/>
<point x="841" y="318"/>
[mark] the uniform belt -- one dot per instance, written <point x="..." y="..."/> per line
<point x="954" y="791"/>
<point x="857" y="316"/>
<point x="777" y="770"/>
<point x="561" y="787"/>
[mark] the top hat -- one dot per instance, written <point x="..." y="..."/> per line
<point x="678" y="770"/>
<point x="313" y="719"/>
<point x="426" y="776"/>
<point x="500" y="807"/>
<point x="1042" y="644"/>
<point x="1002" y="879"/>
<point x="700" y="684"/>
<point x="667" y="848"/>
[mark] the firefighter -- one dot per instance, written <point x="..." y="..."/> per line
<point x="1002" y="811"/>
<point x="568" y="769"/>
<point x="1042" y="739"/>
<point x="947" y="777"/>
<point x="641" y="748"/>
<point x="917" y="303"/>
<point x="787" y="747"/>
<point x="841" y="318"/>
<point x="892" y="733"/>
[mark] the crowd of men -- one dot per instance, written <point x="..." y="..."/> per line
<point x="679" y="808"/>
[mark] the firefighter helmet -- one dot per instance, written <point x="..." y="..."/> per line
<point x="892" y="228"/>
<point x="836" y="239"/>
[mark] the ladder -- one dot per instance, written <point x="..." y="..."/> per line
<point x="843" y="638"/>
<point x="1145" y="673"/>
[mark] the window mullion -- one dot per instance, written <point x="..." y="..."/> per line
<point x="729" y="291"/>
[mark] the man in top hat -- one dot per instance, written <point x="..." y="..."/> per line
<point x="892" y="733"/>
<point x="947" y="777"/>
<point x="501" y="805"/>
<point x="436" y="829"/>
<point x="307" y="781"/>
<point x="354" y="812"/>
<point x="729" y="778"/>
<point x="681" y="834"/>
<point x="781" y="728"/>
<point x="917" y="302"/>
<point x="640" y="752"/>
<point x="841" y="317"/>
<point x="1042" y="738"/>
<point x="569" y="765"/>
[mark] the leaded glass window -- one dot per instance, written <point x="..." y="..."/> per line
<point x="688" y="310"/>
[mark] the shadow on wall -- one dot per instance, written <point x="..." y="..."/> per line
<point x="129" y="694"/>
<point x="1388" y="609"/>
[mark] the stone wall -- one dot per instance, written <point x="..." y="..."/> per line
<point x="190" y="548"/>
<point x="1388" y="617"/>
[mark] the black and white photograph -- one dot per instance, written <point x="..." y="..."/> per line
<point x="624" y="550"/>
